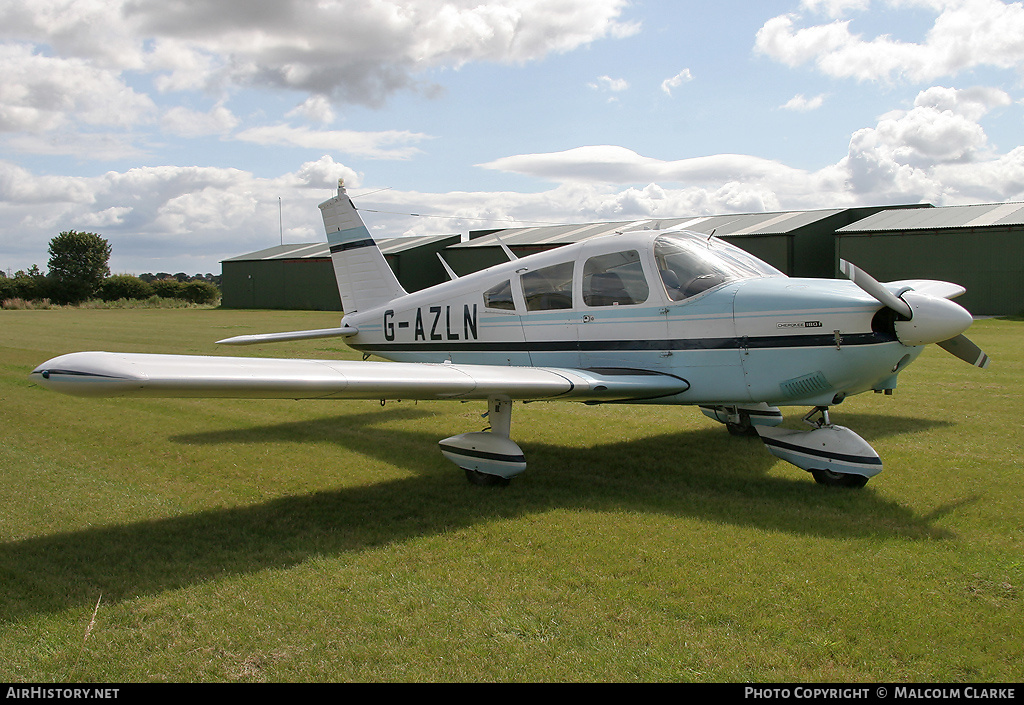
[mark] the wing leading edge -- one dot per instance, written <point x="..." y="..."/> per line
<point x="106" y="374"/>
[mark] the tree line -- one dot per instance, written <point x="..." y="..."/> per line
<point x="79" y="270"/>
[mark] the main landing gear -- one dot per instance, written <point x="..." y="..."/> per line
<point x="744" y="420"/>
<point x="834" y="455"/>
<point x="489" y="458"/>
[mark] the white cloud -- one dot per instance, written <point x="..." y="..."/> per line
<point x="80" y="144"/>
<point x="323" y="174"/>
<point x="936" y="151"/>
<point x="607" y="83"/>
<point x="942" y="127"/>
<point x="20" y="187"/>
<point x="679" y="79"/>
<point x="75" y="73"/>
<point x="835" y="8"/>
<point x="966" y="34"/>
<point x="207" y="213"/>
<point x="389" y="144"/>
<point x="609" y="164"/>
<point x="997" y="179"/>
<point x="316" y="108"/>
<point x="567" y="203"/>
<point x="801" y="104"/>
<point x="100" y="32"/>
<point x="360" y="52"/>
<point x="74" y="70"/>
<point x="184" y="122"/>
<point x="933" y="152"/>
<point x="972" y="103"/>
<point x="40" y="93"/>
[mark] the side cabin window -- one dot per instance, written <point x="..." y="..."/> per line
<point x="500" y="296"/>
<point x="548" y="288"/>
<point x="615" y="279"/>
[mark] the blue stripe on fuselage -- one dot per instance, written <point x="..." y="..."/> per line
<point x="726" y="343"/>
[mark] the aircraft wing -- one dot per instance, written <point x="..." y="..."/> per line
<point x="135" y="374"/>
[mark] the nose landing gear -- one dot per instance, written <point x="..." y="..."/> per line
<point x="834" y="455"/>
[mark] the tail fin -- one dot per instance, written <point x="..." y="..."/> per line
<point x="364" y="278"/>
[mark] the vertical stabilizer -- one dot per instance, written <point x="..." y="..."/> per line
<point x="364" y="278"/>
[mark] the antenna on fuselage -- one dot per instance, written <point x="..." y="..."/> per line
<point x="451" y="274"/>
<point x="712" y="234"/>
<point x="508" y="253"/>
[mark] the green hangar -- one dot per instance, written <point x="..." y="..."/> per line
<point x="799" y="243"/>
<point x="302" y="277"/>
<point x="978" y="246"/>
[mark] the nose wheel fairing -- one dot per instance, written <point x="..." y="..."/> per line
<point x="834" y="454"/>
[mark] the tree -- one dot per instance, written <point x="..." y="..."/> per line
<point x="78" y="264"/>
<point x="124" y="286"/>
<point x="200" y="292"/>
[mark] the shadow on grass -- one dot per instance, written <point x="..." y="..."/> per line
<point x="874" y="427"/>
<point x="703" y="474"/>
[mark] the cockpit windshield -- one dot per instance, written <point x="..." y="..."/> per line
<point x="691" y="264"/>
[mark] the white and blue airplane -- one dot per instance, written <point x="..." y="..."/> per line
<point x="642" y="317"/>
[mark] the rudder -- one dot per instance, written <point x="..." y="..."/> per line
<point x="364" y="278"/>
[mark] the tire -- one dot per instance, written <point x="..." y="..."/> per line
<point x="743" y="428"/>
<point x="483" y="479"/>
<point x="839" y="479"/>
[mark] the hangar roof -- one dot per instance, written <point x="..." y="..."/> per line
<point x="733" y="225"/>
<point x="321" y="250"/>
<point x="941" y="218"/>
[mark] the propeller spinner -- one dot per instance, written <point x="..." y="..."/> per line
<point x="921" y="318"/>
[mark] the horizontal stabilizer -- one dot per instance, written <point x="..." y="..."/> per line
<point x="342" y="332"/>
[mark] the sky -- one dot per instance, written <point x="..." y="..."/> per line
<point x="186" y="132"/>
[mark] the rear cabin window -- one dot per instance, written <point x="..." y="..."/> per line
<point x="548" y="288"/>
<point x="500" y="296"/>
<point x="615" y="279"/>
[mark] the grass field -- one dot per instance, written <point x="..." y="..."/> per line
<point x="213" y="540"/>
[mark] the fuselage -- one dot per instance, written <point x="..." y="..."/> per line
<point x="738" y="330"/>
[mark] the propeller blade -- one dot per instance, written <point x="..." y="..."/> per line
<point x="962" y="347"/>
<point x="935" y="320"/>
<point x="870" y="285"/>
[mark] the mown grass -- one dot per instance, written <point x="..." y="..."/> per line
<point x="330" y="541"/>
